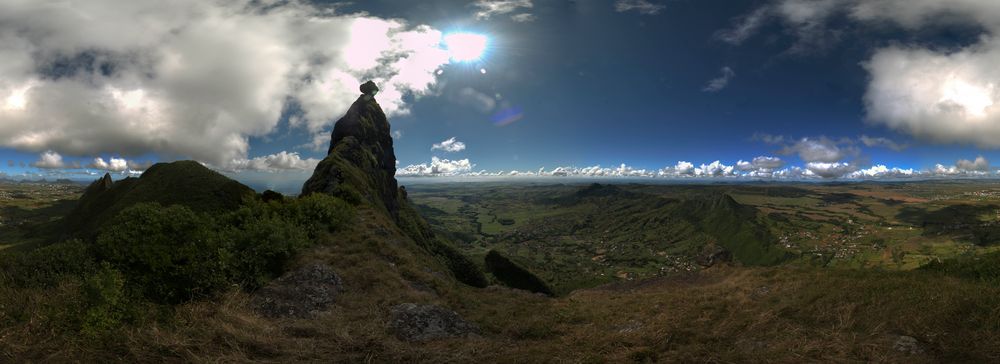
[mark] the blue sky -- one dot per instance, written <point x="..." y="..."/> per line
<point x="844" y="84"/>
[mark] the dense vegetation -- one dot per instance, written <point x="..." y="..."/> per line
<point x="151" y="254"/>
<point x="185" y="183"/>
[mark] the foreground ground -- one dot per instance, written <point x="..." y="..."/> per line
<point x="728" y="312"/>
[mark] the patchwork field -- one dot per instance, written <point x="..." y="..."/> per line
<point x="549" y="228"/>
<point x="25" y="207"/>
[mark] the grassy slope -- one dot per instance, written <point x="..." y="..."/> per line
<point x="720" y="315"/>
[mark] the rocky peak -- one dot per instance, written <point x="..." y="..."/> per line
<point x="100" y="185"/>
<point x="361" y="159"/>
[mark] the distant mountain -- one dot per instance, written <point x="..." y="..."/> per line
<point x="186" y="183"/>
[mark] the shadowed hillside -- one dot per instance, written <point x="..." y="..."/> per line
<point x="186" y="183"/>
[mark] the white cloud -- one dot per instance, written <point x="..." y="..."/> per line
<point x="881" y="171"/>
<point x="49" y="160"/>
<point x="642" y="6"/>
<point x="936" y="96"/>
<point x="450" y="145"/>
<point x="490" y="8"/>
<point x="762" y="166"/>
<point x="147" y="76"/>
<point x="942" y="95"/>
<point x="820" y="149"/>
<point x="278" y="162"/>
<point x="980" y="164"/>
<point x="437" y="167"/>
<point x="715" y="169"/>
<point x="112" y="165"/>
<point x="719" y="83"/>
<point x="830" y="170"/>
<point x="397" y="134"/>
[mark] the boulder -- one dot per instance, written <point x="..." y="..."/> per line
<point x="908" y="344"/>
<point x="422" y="322"/>
<point x="300" y="293"/>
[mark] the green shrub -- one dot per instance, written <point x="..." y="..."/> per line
<point x="318" y="213"/>
<point x="104" y="301"/>
<point x="263" y="243"/>
<point x="46" y="266"/>
<point x="169" y="253"/>
<point x="172" y="254"/>
<point x="984" y="268"/>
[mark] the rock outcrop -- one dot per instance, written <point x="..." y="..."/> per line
<point x="414" y="322"/>
<point x="361" y="160"/>
<point x="300" y="293"/>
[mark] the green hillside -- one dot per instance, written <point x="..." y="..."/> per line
<point x="185" y="183"/>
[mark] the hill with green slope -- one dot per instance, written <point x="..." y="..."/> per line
<point x="186" y="183"/>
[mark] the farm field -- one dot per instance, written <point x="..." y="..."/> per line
<point x="576" y="242"/>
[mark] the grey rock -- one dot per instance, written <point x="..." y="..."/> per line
<point x="908" y="344"/>
<point x="300" y="293"/>
<point x="416" y="322"/>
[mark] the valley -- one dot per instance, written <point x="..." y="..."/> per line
<point x="577" y="241"/>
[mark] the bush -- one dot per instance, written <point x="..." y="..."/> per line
<point x="263" y="243"/>
<point x="984" y="268"/>
<point x="318" y="213"/>
<point x="104" y="301"/>
<point x="169" y="253"/>
<point x="172" y="254"/>
<point x="45" y="267"/>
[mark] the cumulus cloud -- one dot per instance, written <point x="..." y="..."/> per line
<point x="111" y="165"/>
<point x="881" y="171"/>
<point x="437" y="167"/>
<point x="980" y="164"/>
<point x="49" y="160"/>
<point x="942" y="95"/>
<point x="762" y="166"/>
<point x="278" y="162"/>
<point x="821" y="149"/>
<point x="95" y="77"/>
<point x="490" y="8"/>
<point x="642" y="6"/>
<point x="719" y="83"/>
<point x="830" y="170"/>
<point x="935" y="96"/>
<point x="450" y="145"/>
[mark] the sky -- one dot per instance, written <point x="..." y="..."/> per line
<point x="669" y="89"/>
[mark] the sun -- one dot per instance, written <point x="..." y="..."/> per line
<point x="466" y="47"/>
